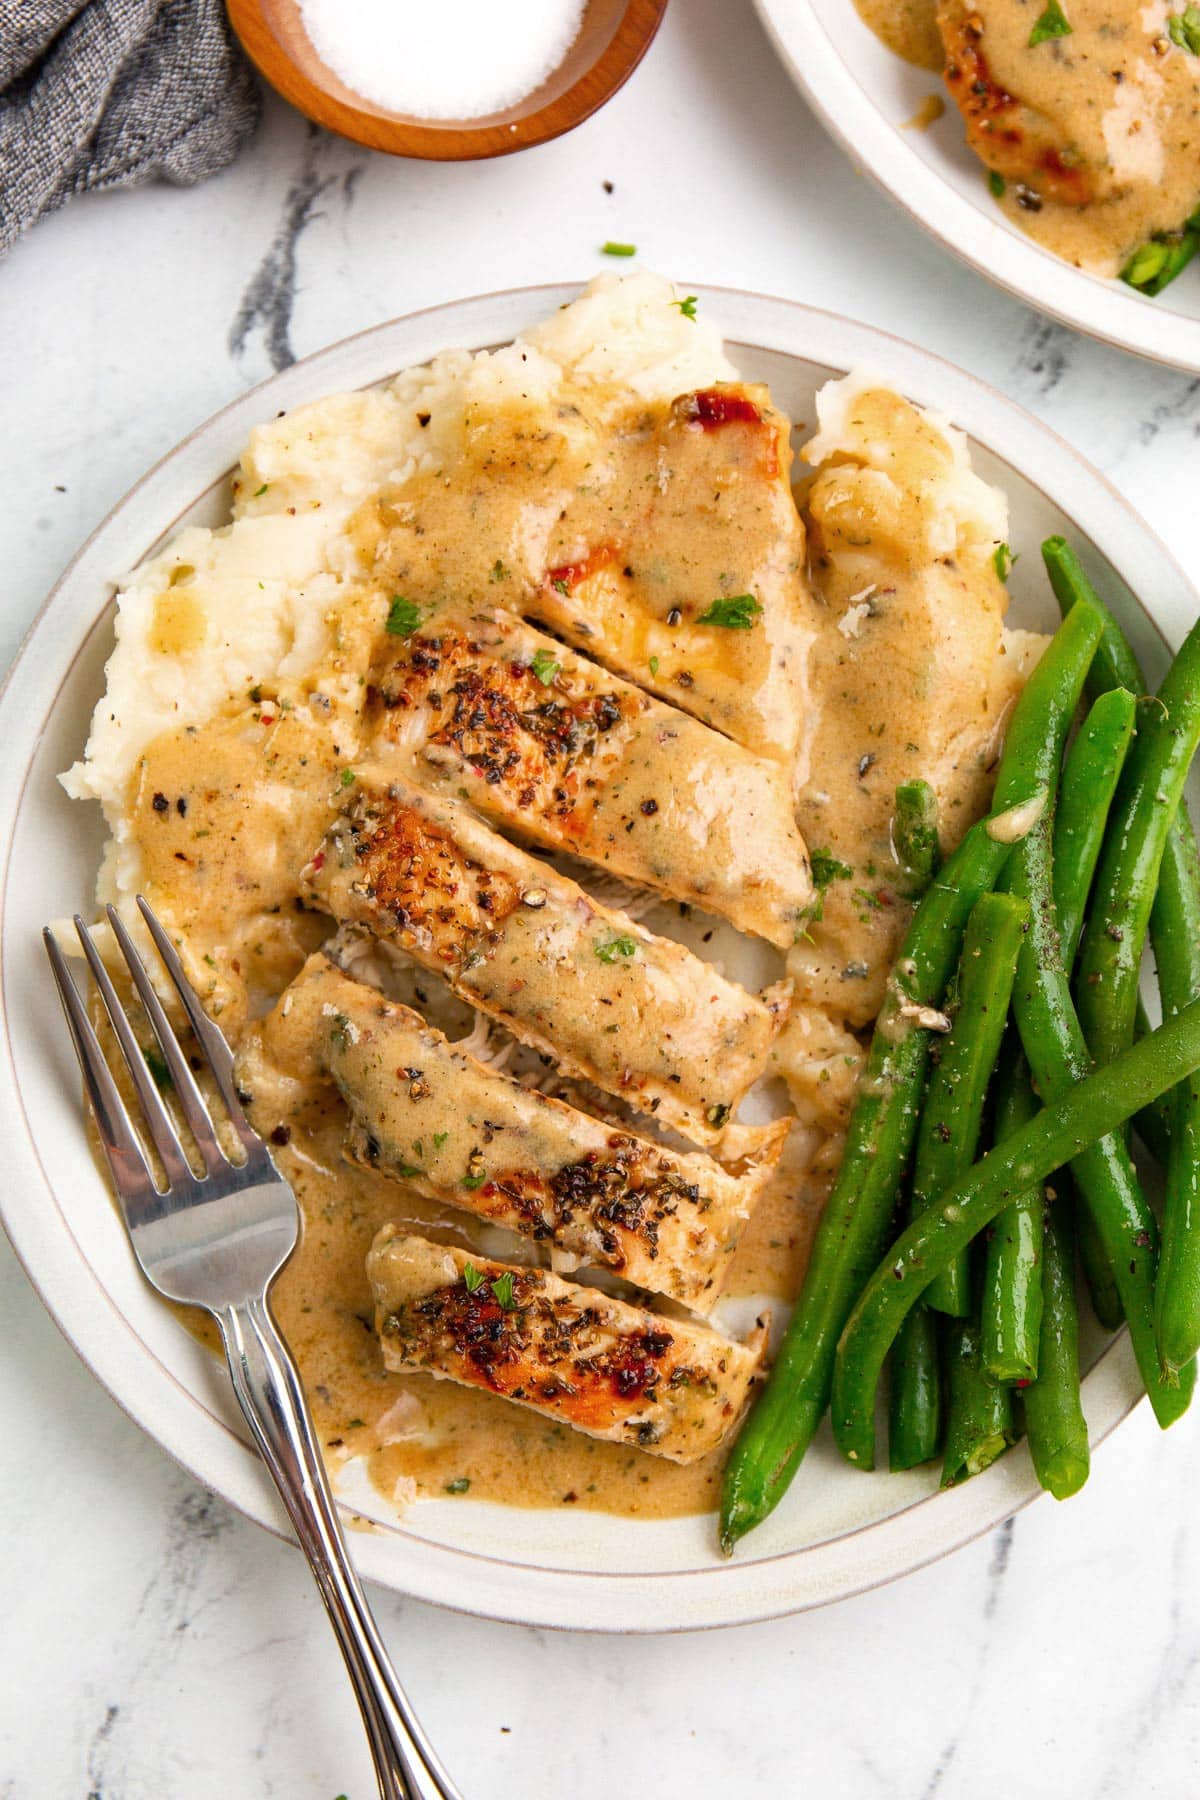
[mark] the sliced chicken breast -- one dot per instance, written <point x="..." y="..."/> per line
<point x="1017" y="139"/>
<point x="568" y="1352"/>
<point x="546" y="742"/>
<point x="703" y="600"/>
<point x="660" y="537"/>
<point x="638" y="1015"/>
<point x="428" y="1113"/>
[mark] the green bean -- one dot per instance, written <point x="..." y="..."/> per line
<point x="915" y="836"/>
<point x="1151" y="786"/>
<point x="1175" y="928"/>
<point x="979" y="1424"/>
<point x="1172" y="934"/>
<point x="1167" y="254"/>
<point x="1097" y="1268"/>
<point x="1053" y="1042"/>
<point x="1090" y="1110"/>
<point x="915" y="1403"/>
<point x="1011" y="1297"/>
<point x="854" y="1227"/>
<point x="1089" y="781"/>
<point x="1114" y="664"/>
<point x="952" y="1111"/>
<point x="1153" y="1123"/>
<point x="915" y="1394"/>
<point x="1054" y="1421"/>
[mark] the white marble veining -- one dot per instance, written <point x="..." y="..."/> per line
<point x="155" y="1646"/>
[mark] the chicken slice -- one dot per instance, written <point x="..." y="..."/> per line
<point x="915" y="670"/>
<point x="1018" y="140"/>
<point x="608" y="1369"/>
<point x="704" y="600"/>
<point x="659" y="536"/>
<point x="638" y="1015"/>
<point x="426" y="1112"/>
<point x="546" y="742"/>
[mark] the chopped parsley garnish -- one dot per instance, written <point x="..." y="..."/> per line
<point x="559" y="585"/>
<point x="459" y="1485"/>
<point x="611" y="249"/>
<point x="472" y="1279"/>
<point x="262" y="490"/>
<point x="348" y="778"/>
<point x="1184" y="29"/>
<point x="408" y="1170"/>
<point x="654" y="665"/>
<point x="871" y="901"/>
<point x="439" y="1138"/>
<point x="687" y="307"/>
<point x="1053" y="23"/>
<point x="545" y="667"/>
<point x="474" y="1178"/>
<point x="403" y="616"/>
<point x="613" y="947"/>
<point x="502" y="1288"/>
<point x="498" y="571"/>
<point x="160" y="1074"/>
<point x="996" y="183"/>
<point x="1002" y="561"/>
<point x="827" y="868"/>
<point x="737" y="612"/>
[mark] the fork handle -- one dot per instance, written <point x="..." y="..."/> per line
<point x="267" y="1384"/>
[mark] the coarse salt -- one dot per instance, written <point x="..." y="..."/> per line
<point x="458" y="59"/>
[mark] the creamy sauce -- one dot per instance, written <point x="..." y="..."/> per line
<point x="913" y="682"/>
<point x="621" y="529"/>
<point x="1096" y="133"/>
<point x="909" y="29"/>
<point x="226" y="815"/>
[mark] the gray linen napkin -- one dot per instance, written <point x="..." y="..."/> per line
<point x="109" y="93"/>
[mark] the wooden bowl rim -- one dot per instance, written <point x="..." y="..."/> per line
<point x="399" y="135"/>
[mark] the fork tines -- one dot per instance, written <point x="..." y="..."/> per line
<point x="130" y="1167"/>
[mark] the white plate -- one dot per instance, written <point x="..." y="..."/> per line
<point x="839" y="1530"/>
<point x="865" y="96"/>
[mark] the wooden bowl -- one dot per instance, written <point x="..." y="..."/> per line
<point x="613" y="38"/>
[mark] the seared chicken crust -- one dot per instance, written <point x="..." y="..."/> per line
<point x="428" y="1113"/>
<point x="571" y="1353"/>
<point x="549" y="744"/>
<point x="638" y="1015"/>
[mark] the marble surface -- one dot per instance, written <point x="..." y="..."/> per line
<point x="156" y="1647"/>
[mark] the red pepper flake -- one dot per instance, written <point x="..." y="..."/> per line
<point x="567" y="576"/>
<point x="318" y="862"/>
<point x="711" y="408"/>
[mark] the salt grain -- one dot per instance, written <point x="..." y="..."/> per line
<point x="457" y="59"/>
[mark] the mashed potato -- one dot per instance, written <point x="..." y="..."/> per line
<point x="186" y="639"/>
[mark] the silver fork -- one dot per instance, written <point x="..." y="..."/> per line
<point x="218" y="1240"/>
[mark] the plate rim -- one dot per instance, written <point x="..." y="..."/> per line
<point x="727" y="1594"/>
<point x="1113" y="315"/>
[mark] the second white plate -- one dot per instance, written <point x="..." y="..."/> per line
<point x="865" y="96"/>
